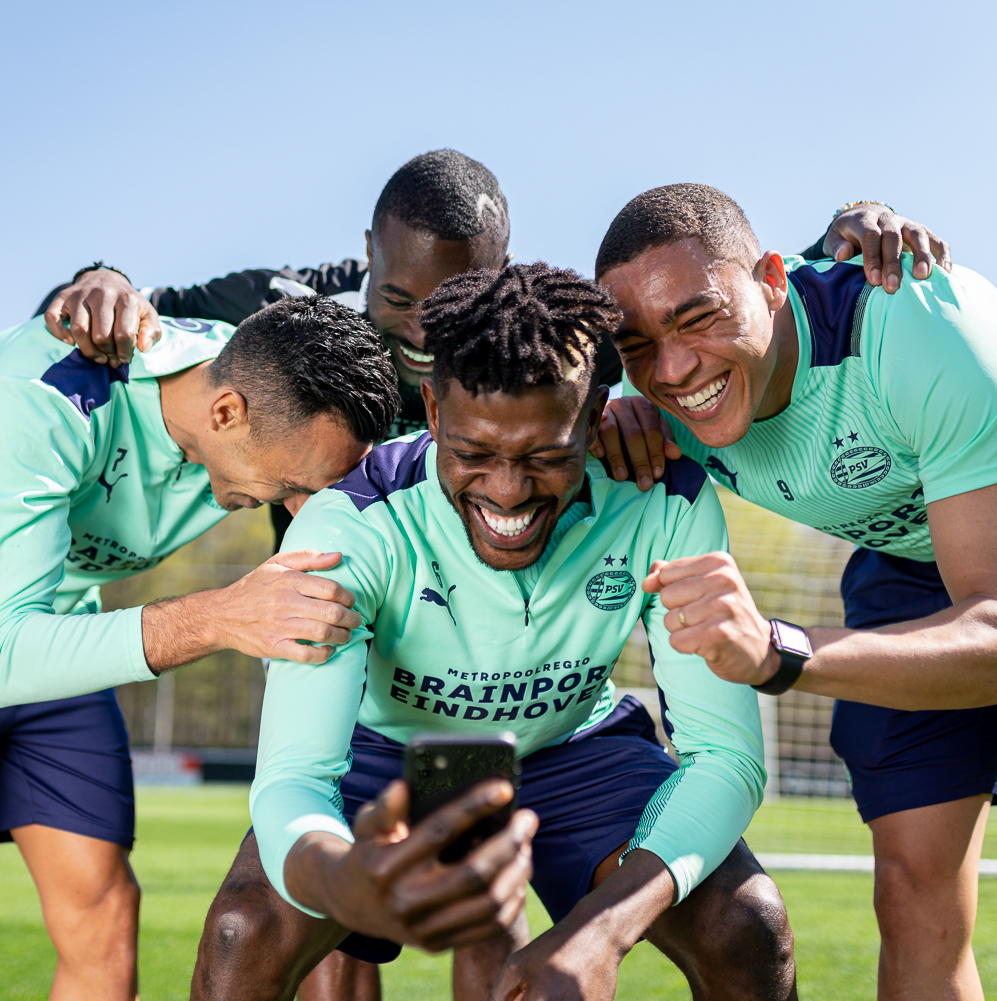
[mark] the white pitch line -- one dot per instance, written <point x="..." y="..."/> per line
<point x="840" y="863"/>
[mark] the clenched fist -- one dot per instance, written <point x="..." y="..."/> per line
<point x="711" y="613"/>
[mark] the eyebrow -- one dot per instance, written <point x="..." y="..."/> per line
<point x="486" y="447"/>
<point x="297" y="488"/>
<point x="395" y="290"/>
<point x="669" y="316"/>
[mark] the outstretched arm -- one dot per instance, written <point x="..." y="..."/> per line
<point x="107" y="318"/>
<point x="945" y="661"/>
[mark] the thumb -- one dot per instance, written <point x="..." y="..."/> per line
<point x="387" y="816"/>
<point x="306" y="559"/>
<point x="838" y="248"/>
<point x="652" y="583"/>
<point x="149" y="330"/>
<point x="53" y="320"/>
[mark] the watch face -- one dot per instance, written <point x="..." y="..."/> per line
<point x="791" y="638"/>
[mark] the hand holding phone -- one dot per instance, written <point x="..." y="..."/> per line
<point x="441" y="767"/>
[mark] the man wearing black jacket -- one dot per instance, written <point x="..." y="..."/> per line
<point x="440" y="214"/>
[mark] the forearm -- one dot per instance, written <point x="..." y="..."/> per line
<point x="945" y="661"/>
<point x="45" y="656"/>
<point x="627" y="903"/>
<point x="178" y="631"/>
<point x="310" y="870"/>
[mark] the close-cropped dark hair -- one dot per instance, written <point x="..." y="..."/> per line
<point x="679" y="212"/>
<point x="304" y="356"/>
<point x="448" y="194"/>
<point x="518" y="327"/>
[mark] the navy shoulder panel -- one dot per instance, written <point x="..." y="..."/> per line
<point x="684" y="477"/>
<point x="387" y="468"/>
<point x="834" y="300"/>
<point x="84" y="383"/>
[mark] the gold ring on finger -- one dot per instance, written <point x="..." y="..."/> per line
<point x="682" y="621"/>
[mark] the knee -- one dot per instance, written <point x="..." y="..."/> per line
<point x="903" y="889"/>
<point x="239" y="927"/>
<point x="102" y="910"/>
<point x="754" y="924"/>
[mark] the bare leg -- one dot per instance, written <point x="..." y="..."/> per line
<point x="927" y="870"/>
<point x="476" y="968"/>
<point x="731" y="936"/>
<point x="90" y="902"/>
<point x="339" y="977"/>
<point x="255" y="946"/>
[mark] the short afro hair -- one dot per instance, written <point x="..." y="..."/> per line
<point x="449" y="195"/>
<point x="679" y="212"/>
<point x="304" y="356"/>
<point x="522" y="326"/>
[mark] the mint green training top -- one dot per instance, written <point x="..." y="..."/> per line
<point x="92" y="489"/>
<point x="450" y="645"/>
<point x="894" y="405"/>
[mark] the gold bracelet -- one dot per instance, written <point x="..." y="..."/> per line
<point x="867" y="201"/>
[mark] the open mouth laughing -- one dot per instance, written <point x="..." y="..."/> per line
<point x="413" y="357"/>
<point x="706" y="399"/>
<point x="510" y="531"/>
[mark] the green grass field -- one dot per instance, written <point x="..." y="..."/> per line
<point x="187" y="838"/>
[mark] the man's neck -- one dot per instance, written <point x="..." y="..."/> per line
<point x="182" y="396"/>
<point x="779" y="391"/>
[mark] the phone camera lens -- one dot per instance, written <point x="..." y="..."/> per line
<point x="440" y="761"/>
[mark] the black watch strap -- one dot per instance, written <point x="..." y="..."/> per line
<point x="793" y="646"/>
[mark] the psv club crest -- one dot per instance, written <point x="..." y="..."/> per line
<point x="860" y="467"/>
<point x="611" y="589"/>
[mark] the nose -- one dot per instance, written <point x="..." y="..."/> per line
<point x="673" y="362"/>
<point x="295" y="503"/>
<point x="413" y="332"/>
<point x="507" y="486"/>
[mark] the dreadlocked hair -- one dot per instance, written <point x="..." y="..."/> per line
<point x="523" y="326"/>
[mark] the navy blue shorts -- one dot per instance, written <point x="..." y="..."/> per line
<point x="903" y="760"/>
<point x="65" y="764"/>
<point x="588" y="792"/>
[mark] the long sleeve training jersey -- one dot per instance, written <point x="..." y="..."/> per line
<point x="93" y="489"/>
<point x="451" y="645"/>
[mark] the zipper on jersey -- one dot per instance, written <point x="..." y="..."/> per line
<point x="526" y="604"/>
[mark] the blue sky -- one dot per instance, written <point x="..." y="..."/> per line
<point x="182" y="140"/>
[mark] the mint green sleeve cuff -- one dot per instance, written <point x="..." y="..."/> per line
<point x="45" y="656"/>
<point x="282" y="813"/>
<point x="696" y="817"/>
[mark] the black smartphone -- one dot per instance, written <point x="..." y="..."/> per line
<point x="441" y="767"/>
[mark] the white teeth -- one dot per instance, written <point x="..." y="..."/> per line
<point x="509" y="527"/>
<point x="419" y="357"/>
<point x="705" y="398"/>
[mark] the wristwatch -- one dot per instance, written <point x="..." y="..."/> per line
<point x="794" y="649"/>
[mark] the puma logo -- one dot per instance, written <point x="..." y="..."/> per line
<point x="714" y="463"/>
<point x="102" y="479"/>
<point x="428" y="594"/>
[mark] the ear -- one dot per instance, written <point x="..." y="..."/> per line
<point x="432" y="407"/>
<point x="595" y="416"/>
<point x="770" y="272"/>
<point x="229" y="412"/>
<point x="370" y="248"/>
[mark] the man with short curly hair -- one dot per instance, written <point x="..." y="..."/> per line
<point x="493" y="566"/>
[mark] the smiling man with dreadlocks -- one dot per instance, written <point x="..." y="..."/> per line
<point x="493" y="564"/>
